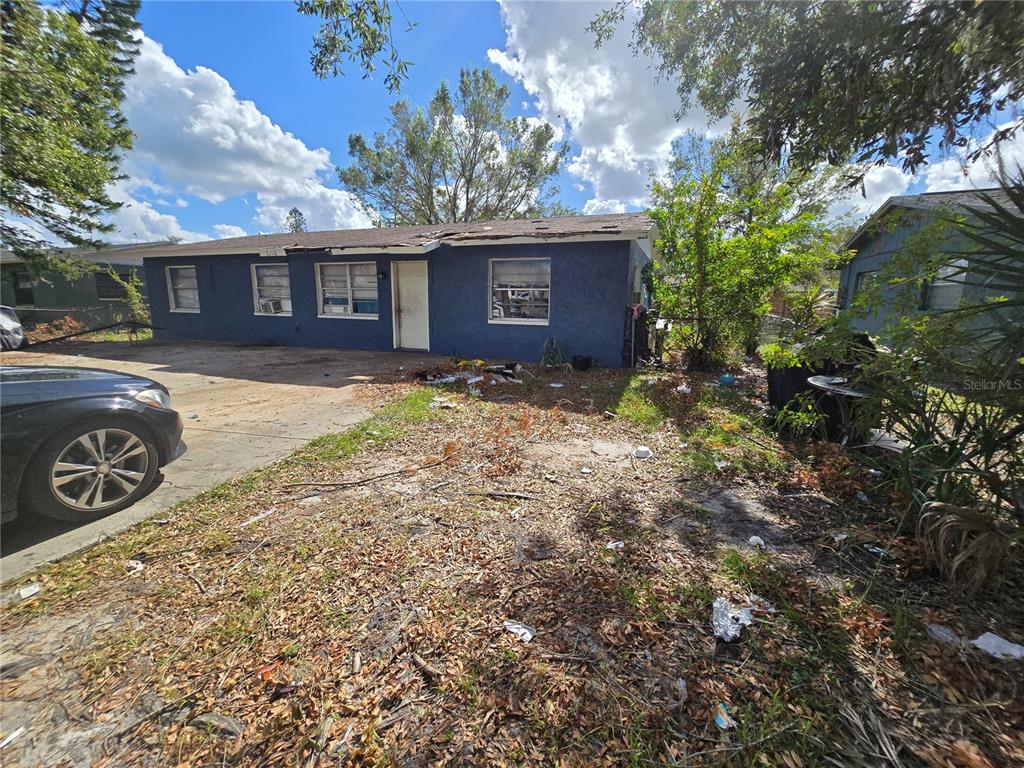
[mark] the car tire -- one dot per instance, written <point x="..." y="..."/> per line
<point x="58" y="492"/>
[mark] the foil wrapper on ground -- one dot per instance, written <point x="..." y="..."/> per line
<point x="728" y="621"/>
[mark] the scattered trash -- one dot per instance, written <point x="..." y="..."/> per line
<point x="863" y="497"/>
<point x="721" y="465"/>
<point x="683" y="445"/>
<point x="285" y="689"/>
<point x="684" y="389"/>
<point x="257" y="518"/>
<point x="615" y="545"/>
<point x="839" y="538"/>
<point x="722" y="717"/>
<point x="729" y="621"/>
<point x="608" y="415"/>
<point x="222" y="725"/>
<point x="11" y="736"/>
<point x="474" y="379"/>
<point x="942" y="633"/>
<point x="266" y="672"/>
<point x="727" y="380"/>
<point x="134" y="566"/>
<point x="758" y="603"/>
<point x="681" y="692"/>
<point x="994" y="645"/>
<point x="161" y="521"/>
<point x="442" y="402"/>
<point x="556" y="385"/>
<point x="876" y="473"/>
<point x="585" y="470"/>
<point x="521" y="631"/>
<point x="29" y="590"/>
<point x="643" y="452"/>
<point x="878" y="551"/>
<point x="193" y="416"/>
<point x="757" y="541"/>
<point x="442" y="380"/>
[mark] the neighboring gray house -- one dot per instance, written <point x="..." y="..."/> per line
<point x="887" y="231"/>
<point x="95" y="298"/>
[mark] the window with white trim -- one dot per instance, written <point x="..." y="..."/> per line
<point x="271" y="290"/>
<point x="183" y="289"/>
<point x="520" y="291"/>
<point x="946" y="290"/>
<point x="348" y="290"/>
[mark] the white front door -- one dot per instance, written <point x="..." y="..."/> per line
<point x="409" y="304"/>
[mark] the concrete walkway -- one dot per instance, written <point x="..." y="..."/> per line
<point x="242" y="407"/>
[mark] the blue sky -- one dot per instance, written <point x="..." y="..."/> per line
<point x="232" y="128"/>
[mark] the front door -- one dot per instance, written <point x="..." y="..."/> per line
<point x="409" y="294"/>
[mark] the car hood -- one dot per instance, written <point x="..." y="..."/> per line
<point x="70" y="381"/>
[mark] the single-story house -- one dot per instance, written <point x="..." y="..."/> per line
<point x="496" y="289"/>
<point x="94" y="298"/>
<point x="888" y="230"/>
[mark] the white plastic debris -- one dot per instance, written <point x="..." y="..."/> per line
<point x="684" y="389"/>
<point x="839" y="538"/>
<point x="442" y="380"/>
<point x="134" y="566"/>
<point x="721" y="465"/>
<point x="474" y="379"/>
<point x="615" y="545"/>
<point x="11" y="736"/>
<point x="994" y="645"/>
<point x="874" y="473"/>
<point x="729" y="621"/>
<point x="758" y="603"/>
<point x="441" y="402"/>
<point x="942" y="633"/>
<point x="556" y="385"/>
<point x="585" y="470"/>
<point x="643" y="452"/>
<point x="521" y="631"/>
<point x="30" y="590"/>
<point x="757" y="542"/>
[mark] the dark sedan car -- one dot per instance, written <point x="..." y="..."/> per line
<point x="81" y="443"/>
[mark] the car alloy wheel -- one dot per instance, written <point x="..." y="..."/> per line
<point x="99" y="469"/>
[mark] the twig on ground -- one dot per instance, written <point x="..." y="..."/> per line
<point x="372" y="478"/>
<point x="503" y="494"/>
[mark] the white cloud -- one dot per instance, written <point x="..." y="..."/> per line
<point x="620" y="115"/>
<point x="956" y="173"/>
<point x="228" y="230"/>
<point x="138" y="221"/>
<point x="880" y="183"/>
<point x="195" y="135"/>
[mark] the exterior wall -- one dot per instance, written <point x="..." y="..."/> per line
<point x="589" y="294"/>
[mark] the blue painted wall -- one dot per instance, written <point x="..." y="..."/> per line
<point x="589" y="295"/>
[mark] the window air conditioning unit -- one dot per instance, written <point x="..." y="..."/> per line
<point x="271" y="306"/>
<point x="345" y="309"/>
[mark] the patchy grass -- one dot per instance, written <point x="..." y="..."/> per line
<point x="639" y="406"/>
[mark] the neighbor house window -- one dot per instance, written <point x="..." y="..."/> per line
<point x="182" y="289"/>
<point x="108" y="289"/>
<point x="271" y="291"/>
<point x="24" y="295"/>
<point x="946" y="290"/>
<point x="865" y="280"/>
<point x="348" y="290"/>
<point x="520" y="291"/>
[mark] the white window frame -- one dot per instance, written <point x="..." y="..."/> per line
<point x="255" y="288"/>
<point x="490" y="294"/>
<point x="170" y="289"/>
<point x="942" y="280"/>
<point x="320" y="294"/>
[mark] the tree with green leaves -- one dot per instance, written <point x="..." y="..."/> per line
<point x="460" y="159"/>
<point x="60" y="118"/>
<point x="831" y="81"/>
<point x="296" y="221"/>
<point x="732" y="228"/>
<point x="355" y="30"/>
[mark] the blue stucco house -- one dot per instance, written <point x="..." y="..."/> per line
<point x="889" y="229"/>
<point x="491" y="289"/>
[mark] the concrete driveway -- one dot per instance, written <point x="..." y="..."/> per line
<point x="242" y="407"/>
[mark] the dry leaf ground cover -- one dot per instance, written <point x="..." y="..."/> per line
<point x="282" y="620"/>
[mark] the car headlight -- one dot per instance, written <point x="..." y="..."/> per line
<point x="155" y="398"/>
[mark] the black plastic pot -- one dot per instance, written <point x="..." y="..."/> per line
<point x="582" y="362"/>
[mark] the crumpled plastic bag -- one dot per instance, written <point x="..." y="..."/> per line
<point x="727" y="620"/>
<point x="997" y="646"/>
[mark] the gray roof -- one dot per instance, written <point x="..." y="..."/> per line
<point x="612" y="226"/>
<point x="931" y="201"/>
